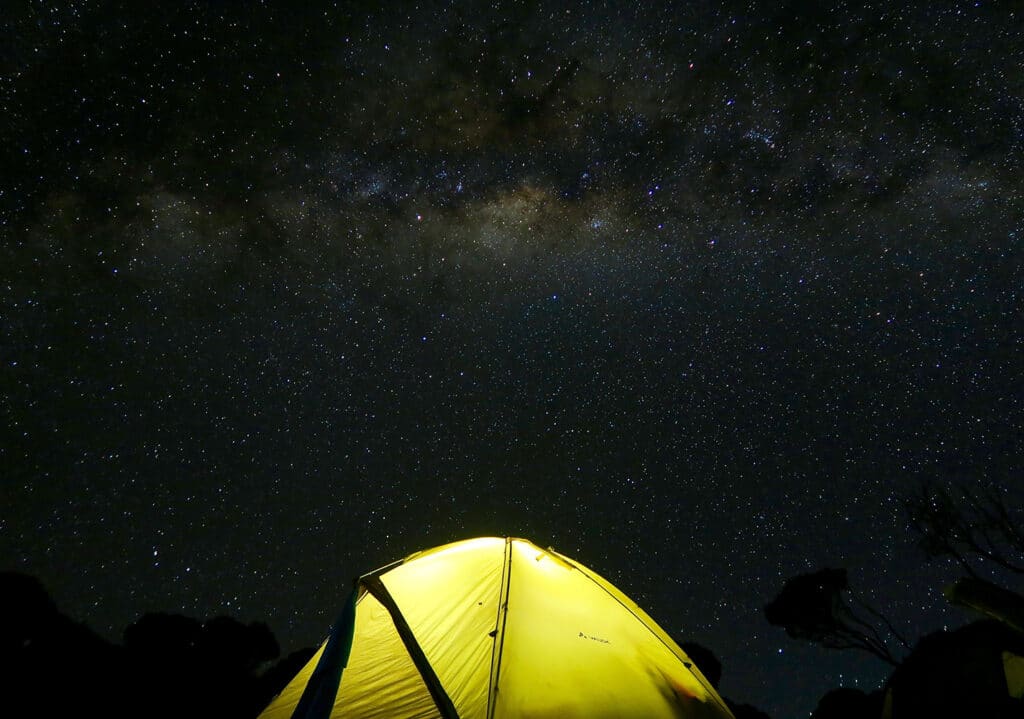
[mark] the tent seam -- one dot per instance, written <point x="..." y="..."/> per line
<point x="499" y="638"/>
<point x="697" y="675"/>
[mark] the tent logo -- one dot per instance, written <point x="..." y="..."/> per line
<point x="592" y="638"/>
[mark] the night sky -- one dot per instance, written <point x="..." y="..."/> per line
<point x="694" y="293"/>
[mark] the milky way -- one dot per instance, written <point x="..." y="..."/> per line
<point x="694" y="296"/>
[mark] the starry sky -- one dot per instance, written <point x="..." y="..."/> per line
<point x="694" y="293"/>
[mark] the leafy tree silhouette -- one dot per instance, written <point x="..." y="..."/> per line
<point x="50" y="665"/>
<point x="849" y="703"/>
<point x="168" y="665"/>
<point x="812" y="607"/>
<point x="212" y="665"/>
<point x="705" y="660"/>
<point x="955" y="673"/>
<point x="711" y="668"/>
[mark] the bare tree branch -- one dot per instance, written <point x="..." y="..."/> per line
<point x="964" y="524"/>
<point x="812" y="607"/>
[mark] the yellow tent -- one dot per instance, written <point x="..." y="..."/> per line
<point x="495" y="628"/>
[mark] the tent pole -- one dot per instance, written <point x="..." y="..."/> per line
<point x="444" y="703"/>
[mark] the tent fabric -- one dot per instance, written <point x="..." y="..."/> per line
<point x="322" y="687"/>
<point x="1013" y="667"/>
<point x="498" y="628"/>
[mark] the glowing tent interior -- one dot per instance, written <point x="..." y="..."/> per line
<point x="494" y="628"/>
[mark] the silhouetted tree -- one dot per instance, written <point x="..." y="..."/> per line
<point x="168" y="666"/>
<point x="849" y="703"/>
<point x="705" y="660"/>
<point x="51" y="665"/>
<point x="746" y="711"/>
<point x="226" y="643"/>
<point x="957" y="674"/>
<point x="230" y="656"/>
<point x="165" y="638"/>
<point x="29" y="609"/>
<point x="812" y="607"/>
<point x="976" y="527"/>
<point x="276" y="677"/>
<point x="968" y="524"/>
<point x="201" y="668"/>
<point x="711" y="668"/>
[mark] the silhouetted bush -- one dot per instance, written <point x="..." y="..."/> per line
<point x="169" y="665"/>
<point x="705" y="660"/>
<point x="849" y="703"/>
<point x="51" y="665"/>
<point x="958" y="674"/>
<point x="711" y="668"/>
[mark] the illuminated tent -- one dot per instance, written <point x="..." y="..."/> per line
<point x="495" y="628"/>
